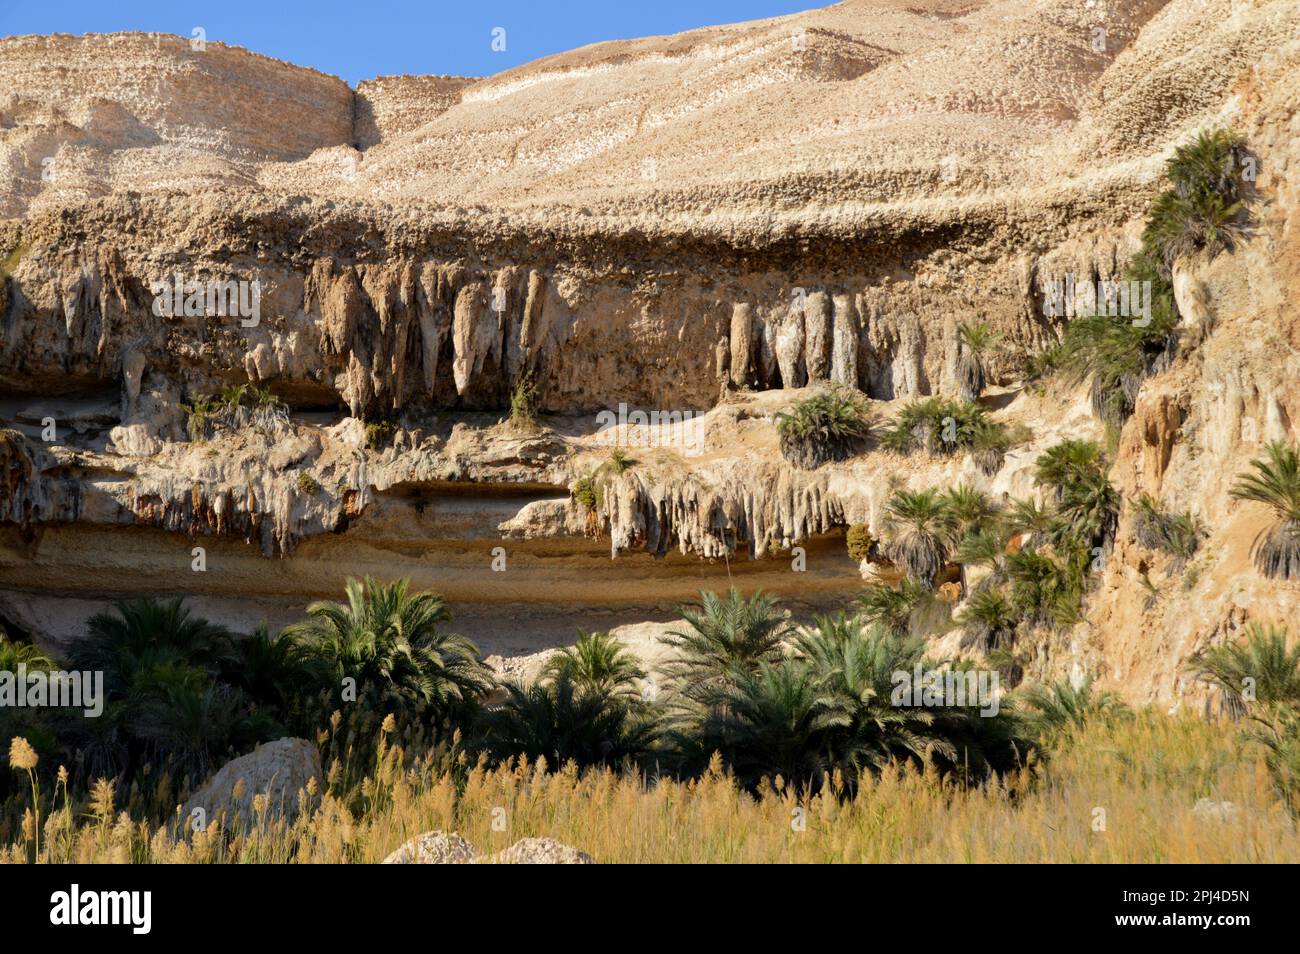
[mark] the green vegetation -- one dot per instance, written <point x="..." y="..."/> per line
<point x="597" y="664"/>
<point x="1275" y="481"/>
<point x="393" y="645"/>
<point x="940" y="427"/>
<point x="976" y="339"/>
<point x="923" y="532"/>
<point x="859" y="542"/>
<point x="234" y="408"/>
<point x="1055" y="709"/>
<point x="380" y="433"/>
<point x="989" y="621"/>
<point x="893" y="608"/>
<point x="556" y="722"/>
<point x="307" y="485"/>
<point x="1205" y="209"/>
<point x="1177" y="534"/>
<point x="756" y="717"/>
<point x="1259" y="670"/>
<point x="1260" y="677"/>
<point x="1202" y="211"/>
<point x="618" y="461"/>
<point x="200" y="416"/>
<point x="587" y="493"/>
<point x="833" y="425"/>
<point x="523" y="405"/>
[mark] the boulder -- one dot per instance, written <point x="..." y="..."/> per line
<point x="1213" y="810"/>
<point x="434" y="848"/>
<point x="540" y="851"/>
<point x="275" y="769"/>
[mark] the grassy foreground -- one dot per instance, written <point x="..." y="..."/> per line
<point x="1120" y="790"/>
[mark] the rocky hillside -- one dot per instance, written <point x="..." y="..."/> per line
<point x="706" y="223"/>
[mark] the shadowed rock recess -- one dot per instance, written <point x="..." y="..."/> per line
<point x="710" y="226"/>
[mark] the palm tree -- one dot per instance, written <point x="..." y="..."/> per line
<point x="1088" y="511"/>
<point x="144" y="634"/>
<point x="13" y="655"/>
<point x="924" y="531"/>
<point x="972" y="512"/>
<point x="989" y="620"/>
<point x="727" y="636"/>
<point x="599" y="663"/>
<point x="1042" y="590"/>
<point x="195" y="721"/>
<point x="892" y="608"/>
<point x="165" y="702"/>
<point x="1065" y="463"/>
<point x="555" y="721"/>
<point x="833" y="425"/>
<point x="1278" y="731"/>
<point x="1059" y="707"/>
<point x="856" y="670"/>
<point x="1276" y="482"/>
<point x="1204" y="210"/>
<point x="975" y="339"/>
<point x="970" y="507"/>
<point x="265" y="669"/>
<point x="390" y="642"/>
<point x="986" y="547"/>
<point x="1178" y="534"/>
<point x="1029" y="517"/>
<point x="1259" y="669"/>
<point x="768" y="727"/>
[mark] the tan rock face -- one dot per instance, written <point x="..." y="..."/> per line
<point x="704" y="223"/>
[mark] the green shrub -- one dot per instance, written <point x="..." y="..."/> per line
<point x="1258" y="670"/>
<point x="555" y="720"/>
<point x="1055" y="709"/>
<point x="833" y="425"/>
<point x="307" y="484"/>
<point x="892" y="607"/>
<point x="989" y="621"/>
<point x="989" y="445"/>
<point x="200" y="416"/>
<point x="940" y="428"/>
<point x="1066" y="463"/>
<point x="587" y="492"/>
<point x="619" y="461"/>
<point x="379" y="433"/>
<point x="523" y="404"/>
<point x="858" y="539"/>
<point x="268" y="412"/>
<point x="1178" y="534"/>
<point x="598" y="663"/>
<point x="1087" y="504"/>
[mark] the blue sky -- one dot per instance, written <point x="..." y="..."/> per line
<point x="357" y="41"/>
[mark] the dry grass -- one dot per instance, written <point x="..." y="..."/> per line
<point x="1145" y="773"/>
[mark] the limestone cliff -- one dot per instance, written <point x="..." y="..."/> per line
<point x="700" y="223"/>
